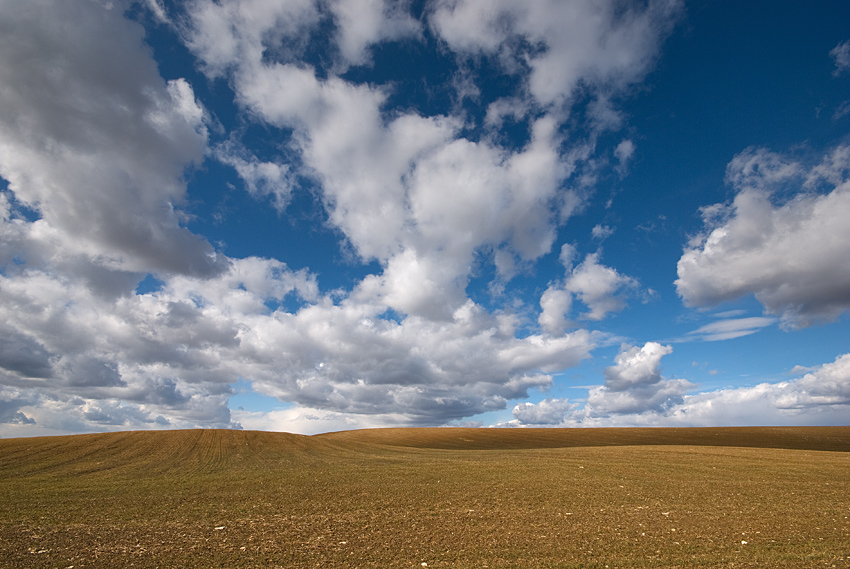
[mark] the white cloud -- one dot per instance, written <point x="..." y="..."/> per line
<point x="169" y="354"/>
<point x="792" y="256"/>
<point x="841" y="55"/>
<point x="731" y="328"/>
<point x="361" y="23"/>
<point x="842" y="111"/>
<point x="95" y="141"/>
<point x="261" y="178"/>
<point x="168" y="357"/>
<point x="555" y="306"/>
<point x="310" y="421"/>
<point x="158" y="11"/>
<point x="440" y="199"/>
<point x="228" y="34"/>
<point x="562" y="43"/>
<point x="223" y="34"/>
<point x="547" y="412"/>
<point x="600" y="288"/>
<point x="636" y="366"/>
<point x="635" y="385"/>
<point x="624" y="153"/>
<point x="821" y="397"/>
<point x="601" y="232"/>
<point x="346" y="359"/>
<point x="758" y="169"/>
<point x="408" y="192"/>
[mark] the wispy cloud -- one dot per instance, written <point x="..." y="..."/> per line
<point x="731" y="328"/>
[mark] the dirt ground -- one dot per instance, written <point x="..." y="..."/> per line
<point x="417" y="498"/>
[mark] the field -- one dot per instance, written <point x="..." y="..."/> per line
<point x="483" y="498"/>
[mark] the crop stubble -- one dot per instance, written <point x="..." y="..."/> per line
<point x="443" y="497"/>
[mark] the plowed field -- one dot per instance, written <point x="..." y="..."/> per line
<point x="772" y="497"/>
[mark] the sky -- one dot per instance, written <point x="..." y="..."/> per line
<point x="318" y="215"/>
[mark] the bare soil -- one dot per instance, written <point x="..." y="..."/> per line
<point x="594" y="498"/>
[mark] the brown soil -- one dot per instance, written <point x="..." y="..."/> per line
<point x="491" y="498"/>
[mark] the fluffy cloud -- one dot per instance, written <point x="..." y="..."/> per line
<point x="346" y="359"/>
<point x="555" y="304"/>
<point x="441" y="198"/>
<point x="602" y="289"/>
<point x="95" y="145"/>
<point x="599" y="287"/>
<point x="562" y="44"/>
<point x="361" y="23"/>
<point x="790" y="253"/>
<point x="222" y="34"/>
<point x="547" y="412"/>
<point x="635" y="385"/>
<point x="169" y="357"/>
<point x="94" y="141"/>
<point x="820" y="397"/>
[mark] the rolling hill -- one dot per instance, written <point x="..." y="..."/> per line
<point x="719" y="497"/>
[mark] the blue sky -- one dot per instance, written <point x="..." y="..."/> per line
<point x="314" y="215"/>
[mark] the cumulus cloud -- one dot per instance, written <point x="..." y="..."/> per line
<point x="130" y="360"/>
<point x="555" y="304"/>
<point x="547" y="412"/>
<point x="787" y="251"/>
<point x="633" y="386"/>
<point x="361" y="23"/>
<point x="173" y="353"/>
<point x="601" y="289"/>
<point x="820" y="397"/>
<point x="562" y="44"/>
<point x="223" y="34"/>
<point x="345" y="360"/>
<point x="94" y="141"/>
<point x="442" y="198"/>
<point x="96" y="145"/>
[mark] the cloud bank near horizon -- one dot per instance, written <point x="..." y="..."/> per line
<point x="636" y="394"/>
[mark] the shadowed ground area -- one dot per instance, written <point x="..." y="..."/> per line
<point x="745" y="497"/>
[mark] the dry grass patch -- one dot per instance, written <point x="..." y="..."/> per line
<point x="402" y="498"/>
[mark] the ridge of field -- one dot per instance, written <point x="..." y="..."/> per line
<point x="407" y="498"/>
<point x="791" y="438"/>
<point x="152" y="453"/>
<point x="209" y="449"/>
